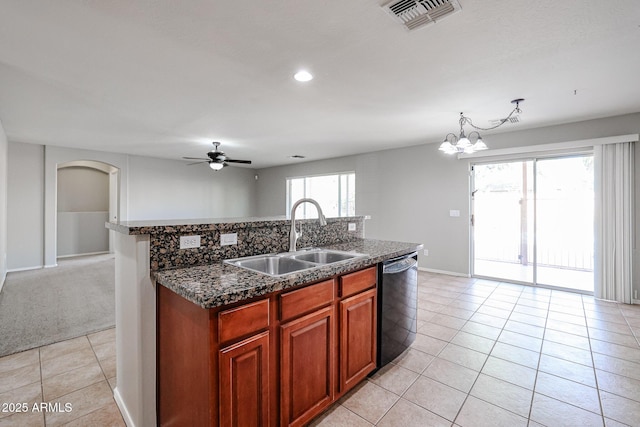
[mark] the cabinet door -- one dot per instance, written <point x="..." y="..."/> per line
<point x="357" y="338"/>
<point x="307" y="366"/>
<point x="244" y="382"/>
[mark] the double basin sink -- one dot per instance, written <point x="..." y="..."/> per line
<point x="291" y="262"/>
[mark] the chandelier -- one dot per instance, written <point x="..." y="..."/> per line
<point x="453" y="144"/>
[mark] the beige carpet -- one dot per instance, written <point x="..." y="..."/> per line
<point x="40" y="307"/>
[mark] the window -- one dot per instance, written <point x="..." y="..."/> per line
<point x="336" y="194"/>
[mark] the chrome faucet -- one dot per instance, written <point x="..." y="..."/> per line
<point x="293" y="235"/>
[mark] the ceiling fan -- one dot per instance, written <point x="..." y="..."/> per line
<point x="217" y="159"/>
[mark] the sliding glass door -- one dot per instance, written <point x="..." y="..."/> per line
<point x="564" y="222"/>
<point x="533" y="221"/>
<point x="503" y="221"/>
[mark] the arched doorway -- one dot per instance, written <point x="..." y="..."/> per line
<point x="86" y="198"/>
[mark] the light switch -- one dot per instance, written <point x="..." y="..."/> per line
<point x="454" y="213"/>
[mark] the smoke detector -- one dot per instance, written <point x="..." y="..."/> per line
<point x="415" y="14"/>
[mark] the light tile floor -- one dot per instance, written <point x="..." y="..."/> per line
<point x="497" y="354"/>
<point x="486" y="354"/>
<point x="74" y="379"/>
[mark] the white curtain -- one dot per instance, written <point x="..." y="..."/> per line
<point x="614" y="228"/>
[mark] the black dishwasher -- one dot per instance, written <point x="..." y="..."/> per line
<point x="397" y="306"/>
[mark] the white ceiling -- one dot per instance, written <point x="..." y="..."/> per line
<point x="164" y="78"/>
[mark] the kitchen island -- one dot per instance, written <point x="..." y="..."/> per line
<point x="149" y="253"/>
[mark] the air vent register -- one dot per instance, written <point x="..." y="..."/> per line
<point x="414" y="14"/>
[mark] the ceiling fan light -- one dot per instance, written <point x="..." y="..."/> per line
<point x="216" y="166"/>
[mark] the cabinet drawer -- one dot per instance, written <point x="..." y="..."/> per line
<point x="243" y="320"/>
<point x="353" y="283"/>
<point x="304" y="300"/>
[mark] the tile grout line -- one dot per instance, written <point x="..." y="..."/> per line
<point x="44" y="418"/>
<point x="535" y="381"/>
<point x="485" y="362"/>
<point x="593" y="363"/>
<point x="545" y="330"/>
<point x="480" y="371"/>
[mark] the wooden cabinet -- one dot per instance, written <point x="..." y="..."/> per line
<point x="307" y="352"/>
<point x="357" y="338"/>
<point x="244" y="382"/>
<point x="358" y="326"/>
<point x="278" y="360"/>
<point x="244" y="366"/>
<point x="307" y="366"/>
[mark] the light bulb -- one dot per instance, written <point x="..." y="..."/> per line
<point x="303" y="76"/>
<point x="480" y="145"/>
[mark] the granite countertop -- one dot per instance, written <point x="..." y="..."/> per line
<point x="220" y="284"/>
<point x="207" y="224"/>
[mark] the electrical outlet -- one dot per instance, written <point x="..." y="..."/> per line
<point x="352" y="226"/>
<point x="454" y="213"/>
<point x="189" y="242"/>
<point x="228" y="239"/>
<point x="426" y="252"/>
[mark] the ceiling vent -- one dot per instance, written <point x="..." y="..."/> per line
<point x="418" y="13"/>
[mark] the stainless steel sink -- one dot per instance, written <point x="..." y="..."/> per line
<point x="291" y="262"/>
<point x="323" y="256"/>
<point x="272" y="265"/>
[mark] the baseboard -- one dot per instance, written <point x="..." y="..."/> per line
<point x="50" y="265"/>
<point x="82" y="254"/>
<point x="449" y="273"/>
<point x="15" y="270"/>
<point x="123" y="408"/>
<point x="635" y="301"/>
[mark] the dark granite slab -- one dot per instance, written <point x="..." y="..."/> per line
<point x="189" y="226"/>
<point x="255" y="236"/>
<point x="219" y="284"/>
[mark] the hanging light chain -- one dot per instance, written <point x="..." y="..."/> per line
<point x="453" y="144"/>
<point x="467" y="120"/>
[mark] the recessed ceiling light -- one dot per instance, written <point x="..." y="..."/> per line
<point x="303" y="76"/>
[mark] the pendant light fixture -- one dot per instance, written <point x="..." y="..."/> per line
<point x="453" y="144"/>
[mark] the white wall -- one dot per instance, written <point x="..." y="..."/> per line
<point x="25" y="205"/>
<point x="169" y="189"/>
<point x="408" y="192"/>
<point x="4" y="155"/>
<point x="82" y="189"/>
<point x="149" y="189"/>
<point x="83" y="208"/>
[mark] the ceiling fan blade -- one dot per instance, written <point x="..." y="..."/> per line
<point x="216" y="157"/>
<point x="196" y="158"/>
